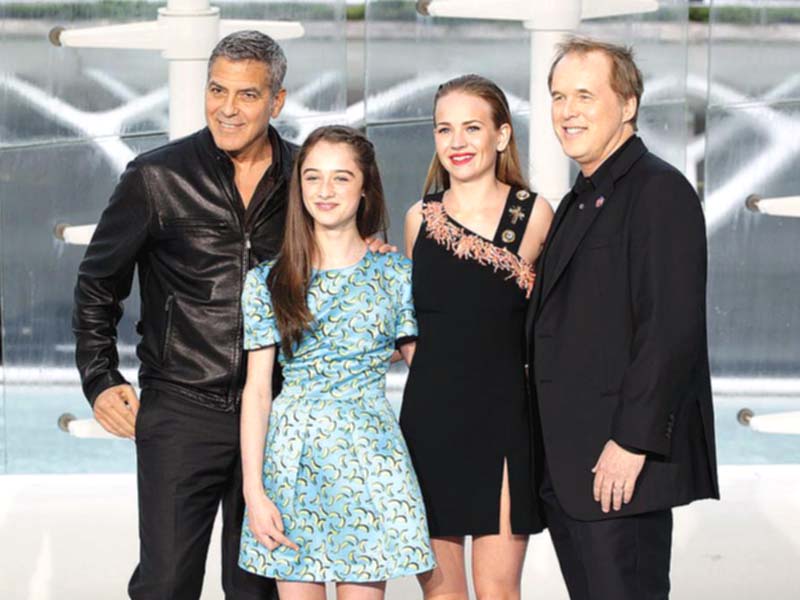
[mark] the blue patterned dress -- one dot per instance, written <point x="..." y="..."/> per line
<point x="335" y="462"/>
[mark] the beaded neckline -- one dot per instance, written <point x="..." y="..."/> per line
<point x="470" y="246"/>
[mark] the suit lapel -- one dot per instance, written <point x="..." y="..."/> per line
<point x="593" y="205"/>
<point x="589" y="201"/>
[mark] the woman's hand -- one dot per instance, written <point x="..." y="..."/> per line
<point x="407" y="351"/>
<point x="378" y="245"/>
<point x="266" y="523"/>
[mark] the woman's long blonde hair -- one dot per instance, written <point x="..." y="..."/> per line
<point x="508" y="167"/>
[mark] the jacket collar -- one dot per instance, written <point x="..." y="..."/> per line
<point x="602" y="185"/>
<point x="614" y="167"/>
<point x="619" y="163"/>
<point x="283" y="152"/>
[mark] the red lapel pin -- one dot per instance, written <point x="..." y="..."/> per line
<point x="599" y="202"/>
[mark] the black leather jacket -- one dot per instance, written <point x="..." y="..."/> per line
<point x="176" y="215"/>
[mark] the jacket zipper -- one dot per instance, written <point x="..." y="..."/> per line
<point x="168" y="327"/>
<point x="236" y="363"/>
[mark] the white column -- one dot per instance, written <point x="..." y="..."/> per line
<point x="190" y="29"/>
<point x="187" y="80"/>
<point x="548" y="166"/>
<point x="188" y="6"/>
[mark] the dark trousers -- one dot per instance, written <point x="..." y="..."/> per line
<point x="187" y="463"/>
<point x="626" y="558"/>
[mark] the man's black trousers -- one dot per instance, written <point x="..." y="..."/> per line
<point x="188" y="462"/>
<point x="626" y="558"/>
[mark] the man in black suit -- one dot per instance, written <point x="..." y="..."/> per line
<point x="617" y="339"/>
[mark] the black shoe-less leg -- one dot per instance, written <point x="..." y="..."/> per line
<point x="627" y="558"/>
<point x="185" y="456"/>
<point x="569" y="556"/>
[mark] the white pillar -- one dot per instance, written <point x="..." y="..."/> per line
<point x="188" y="6"/>
<point x="548" y="166"/>
<point x="190" y="29"/>
<point x="187" y="81"/>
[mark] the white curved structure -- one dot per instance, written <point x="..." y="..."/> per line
<point x="783" y="206"/>
<point x="185" y="33"/>
<point x="779" y="423"/>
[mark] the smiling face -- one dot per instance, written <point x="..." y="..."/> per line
<point x="332" y="184"/>
<point x="589" y="118"/>
<point x="467" y="140"/>
<point x="239" y="105"/>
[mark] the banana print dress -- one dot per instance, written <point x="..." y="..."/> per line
<point x="335" y="462"/>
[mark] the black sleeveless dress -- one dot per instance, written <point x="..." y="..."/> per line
<point x="465" y="407"/>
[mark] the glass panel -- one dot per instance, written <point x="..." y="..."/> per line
<point x="58" y="93"/>
<point x="316" y="79"/>
<point x="424" y="51"/>
<point x="409" y="55"/>
<point x="754" y="326"/>
<point x="753" y="257"/>
<point x="404" y="153"/>
<point x="50" y="93"/>
<point x="42" y="187"/>
<point x="659" y="41"/>
<point x="663" y="127"/>
<point x="758" y="39"/>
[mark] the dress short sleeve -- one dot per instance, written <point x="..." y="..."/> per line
<point x="406" y="319"/>
<point x="260" y="329"/>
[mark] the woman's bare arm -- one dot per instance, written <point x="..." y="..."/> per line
<point x="536" y="230"/>
<point x="412" y="225"/>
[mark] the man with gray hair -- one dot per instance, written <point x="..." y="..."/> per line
<point x="193" y="216"/>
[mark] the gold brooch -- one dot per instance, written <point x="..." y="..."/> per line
<point x="508" y="236"/>
<point x="523" y="195"/>
<point x="516" y="214"/>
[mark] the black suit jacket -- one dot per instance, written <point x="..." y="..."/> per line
<point x="617" y="339"/>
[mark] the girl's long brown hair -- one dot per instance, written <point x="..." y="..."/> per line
<point x="508" y="167"/>
<point x="290" y="277"/>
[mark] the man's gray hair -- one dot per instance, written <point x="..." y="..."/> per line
<point x="253" y="45"/>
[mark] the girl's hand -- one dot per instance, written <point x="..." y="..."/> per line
<point x="266" y="523"/>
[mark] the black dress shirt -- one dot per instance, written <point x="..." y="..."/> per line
<point x="573" y="209"/>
